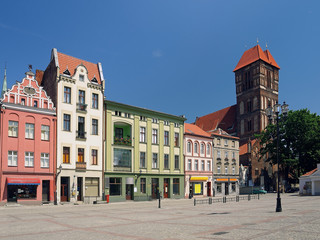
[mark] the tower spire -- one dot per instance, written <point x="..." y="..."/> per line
<point x="4" y="85"/>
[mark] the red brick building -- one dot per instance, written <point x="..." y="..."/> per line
<point x="257" y="87"/>
<point x="28" y="144"/>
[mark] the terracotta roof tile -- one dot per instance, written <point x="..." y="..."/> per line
<point x="243" y="149"/>
<point x="255" y="54"/>
<point x="224" y="119"/>
<point x="71" y="63"/>
<point x="309" y="173"/>
<point x="39" y="76"/>
<point x="193" y="129"/>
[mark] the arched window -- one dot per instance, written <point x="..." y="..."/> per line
<point x="202" y="148"/>
<point x="196" y="147"/>
<point x="208" y="148"/>
<point x="189" y="147"/>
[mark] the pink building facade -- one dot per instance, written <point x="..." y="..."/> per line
<point x="198" y="157"/>
<point x="28" y="144"/>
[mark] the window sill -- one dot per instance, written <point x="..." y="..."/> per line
<point x="46" y="140"/>
<point x="45" y="167"/>
<point x="12" y="165"/>
<point x="13" y="136"/>
<point x="29" y="138"/>
<point x="29" y="166"/>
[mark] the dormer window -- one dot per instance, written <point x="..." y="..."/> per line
<point x="81" y="77"/>
<point x="66" y="72"/>
<point x="23" y="101"/>
<point x="35" y="103"/>
<point x="94" y="80"/>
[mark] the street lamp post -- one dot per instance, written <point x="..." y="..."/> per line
<point x="271" y="111"/>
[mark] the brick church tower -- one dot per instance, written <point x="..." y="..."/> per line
<point x="257" y="86"/>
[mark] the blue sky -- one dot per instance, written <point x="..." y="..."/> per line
<point x="173" y="56"/>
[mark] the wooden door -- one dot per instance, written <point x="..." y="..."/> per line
<point x="45" y="190"/>
<point x="166" y="188"/>
<point x="12" y="193"/>
<point x="209" y="189"/>
<point x="64" y="193"/>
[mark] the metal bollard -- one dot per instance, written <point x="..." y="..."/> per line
<point x="258" y="196"/>
<point x="194" y="202"/>
<point x="210" y="200"/>
<point x="249" y="197"/>
<point x="237" y="198"/>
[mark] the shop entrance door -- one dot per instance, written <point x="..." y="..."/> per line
<point x="209" y="189"/>
<point x="64" y="190"/>
<point x="129" y="192"/>
<point x="166" y="190"/>
<point x="79" y="189"/>
<point x="45" y="190"/>
<point x="12" y="193"/>
<point x="155" y="187"/>
<point x="226" y="188"/>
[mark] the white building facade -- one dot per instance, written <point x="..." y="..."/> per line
<point x="77" y="87"/>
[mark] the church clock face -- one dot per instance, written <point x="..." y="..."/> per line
<point x="29" y="90"/>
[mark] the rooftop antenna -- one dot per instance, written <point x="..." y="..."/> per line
<point x="30" y="67"/>
<point x="257" y="41"/>
<point x="266" y="45"/>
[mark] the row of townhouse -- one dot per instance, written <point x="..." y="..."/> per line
<point x="61" y="141"/>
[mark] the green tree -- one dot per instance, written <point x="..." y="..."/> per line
<point x="299" y="142"/>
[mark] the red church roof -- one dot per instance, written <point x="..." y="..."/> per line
<point x="254" y="54"/>
<point x="224" y="119"/>
<point x="71" y="63"/>
<point x="193" y="129"/>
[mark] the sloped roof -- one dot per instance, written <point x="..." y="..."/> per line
<point x="195" y="130"/>
<point x="71" y="63"/>
<point x="310" y="173"/>
<point x="254" y="54"/>
<point x="224" y="119"/>
<point x="243" y="149"/>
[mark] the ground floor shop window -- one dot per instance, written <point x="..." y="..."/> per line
<point x="115" y="186"/>
<point x="219" y="188"/>
<point x="198" y="188"/>
<point x="26" y="191"/>
<point x="233" y="187"/>
<point x="176" y="186"/>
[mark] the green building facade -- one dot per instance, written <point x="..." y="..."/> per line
<point x="143" y="153"/>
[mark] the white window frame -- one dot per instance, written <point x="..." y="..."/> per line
<point x="45" y="160"/>
<point x="29" y="159"/>
<point x="202" y="148"/>
<point x="45" y="132"/>
<point x="142" y="134"/>
<point x="13" y="128"/>
<point x="29" y="130"/>
<point x="189" y="147"/>
<point x="154" y="136"/>
<point x="189" y="164"/>
<point x="12" y="158"/>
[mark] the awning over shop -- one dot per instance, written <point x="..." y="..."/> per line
<point x="199" y="179"/>
<point x="23" y="181"/>
<point x="226" y="180"/>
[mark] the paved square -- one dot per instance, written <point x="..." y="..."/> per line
<point x="177" y="219"/>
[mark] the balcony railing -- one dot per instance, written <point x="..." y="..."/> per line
<point x="123" y="141"/>
<point x="82" y="107"/>
<point x="81" y="135"/>
<point x="81" y="166"/>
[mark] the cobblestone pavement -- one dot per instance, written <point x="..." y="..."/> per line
<point x="176" y="219"/>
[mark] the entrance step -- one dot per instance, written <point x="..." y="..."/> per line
<point x="100" y="202"/>
<point x="12" y="205"/>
